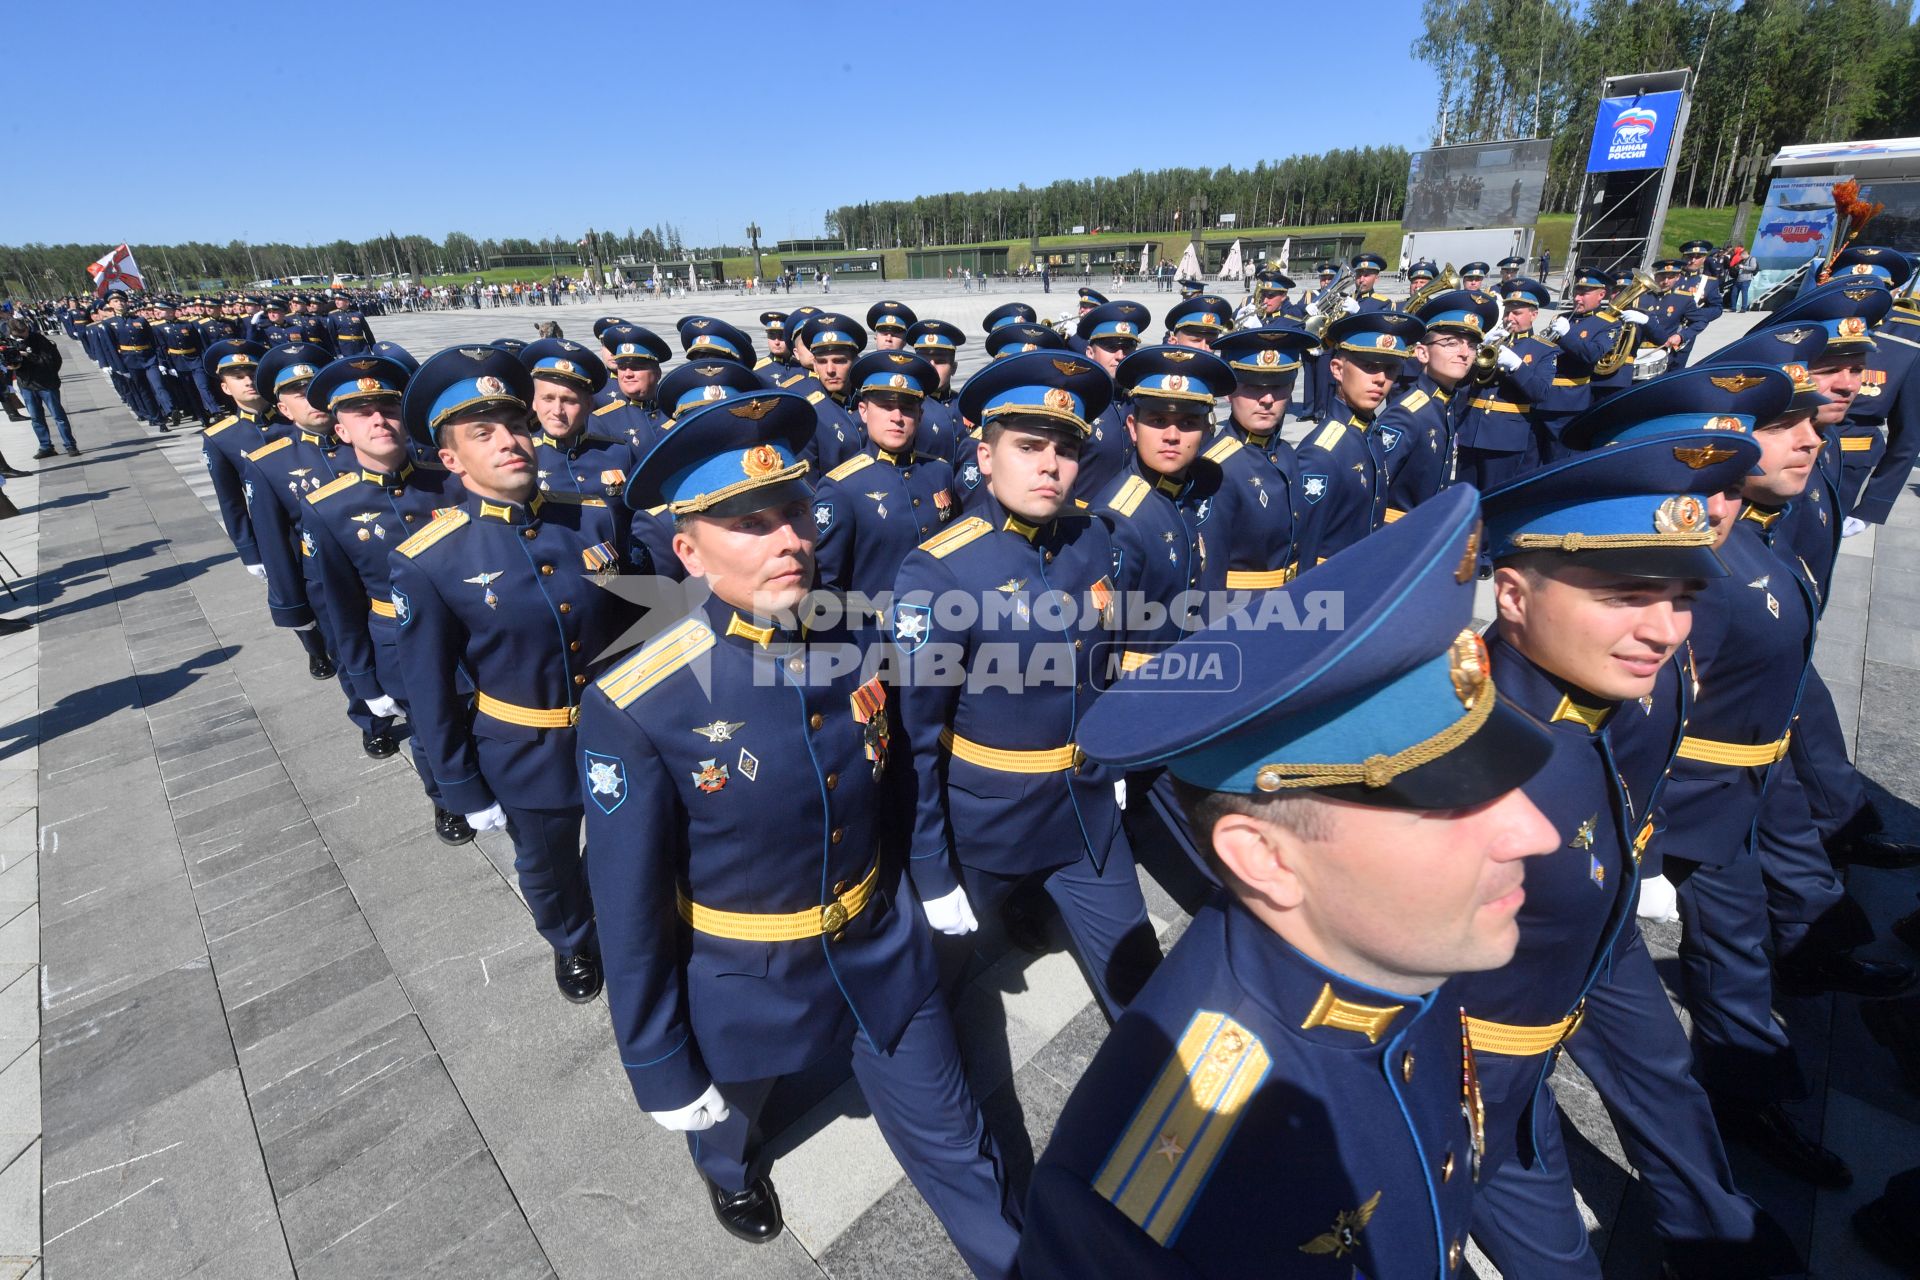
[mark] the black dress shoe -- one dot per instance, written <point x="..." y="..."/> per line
<point x="1874" y="979"/>
<point x="752" y="1215"/>
<point x="320" y="666"/>
<point x="1874" y="849"/>
<point x="74" y="452"/>
<point x="378" y="745"/>
<point x="13" y="626"/>
<point x="578" y="977"/>
<point x="1772" y="1133"/>
<point x="1896" y="1024"/>
<point x="37" y="455"/>
<point x="451" y="827"/>
<point x="166" y="426"/>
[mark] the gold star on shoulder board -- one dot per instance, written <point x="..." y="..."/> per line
<point x="1344" y="1238"/>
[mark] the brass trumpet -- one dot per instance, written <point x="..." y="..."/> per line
<point x="1447" y="280"/>
<point x="1627" y="340"/>
<point x="1486" y="363"/>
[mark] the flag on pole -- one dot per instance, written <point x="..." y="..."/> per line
<point x="116" y="270"/>
<point x="1231" y="268"/>
<point x="1189" y="268"/>
<point x="1286" y="247"/>
<point x="1146" y="258"/>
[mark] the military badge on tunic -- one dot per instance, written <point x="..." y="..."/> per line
<point x="485" y="582"/>
<point x="711" y="776"/>
<point x="1344" y="1237"/>
<point x="870" y="712"/>
<point x="606" y="781"/>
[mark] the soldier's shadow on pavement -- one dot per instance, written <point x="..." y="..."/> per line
<point x="88" y="706"/>
<point x="73" y="499"/>
<point x="51" y="585"/>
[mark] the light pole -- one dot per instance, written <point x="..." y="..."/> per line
<point x="753" y="235"/>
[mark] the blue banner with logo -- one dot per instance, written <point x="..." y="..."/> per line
<point x="1633" y="133"/>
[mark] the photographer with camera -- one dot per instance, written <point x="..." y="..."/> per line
<point x="34" y="365"/>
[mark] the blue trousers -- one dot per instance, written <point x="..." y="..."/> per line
<point x="1105" y="915"/>
<point x="1835" y="794"/>
<point x="43" y="405"/>
<point x="926" y="1110"/>
<point x="1739" y="1051"/>
<point x="386" y="666"/>
<point x="317" y="640"/>
<point x="1808" y="906"/>
<point x="155" y="383"/>
<point x="552" y="869"/>
<point x="1632" y="1047"/>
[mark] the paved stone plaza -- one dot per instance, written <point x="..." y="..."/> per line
<point x="277" y="1028"/>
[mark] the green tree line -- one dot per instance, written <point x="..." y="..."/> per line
<point x="1770" y="73"/>
<point x="1365" y="184"/>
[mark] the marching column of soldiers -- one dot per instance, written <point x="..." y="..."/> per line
<point x="916" y="659"/>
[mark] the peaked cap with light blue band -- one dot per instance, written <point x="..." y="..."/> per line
<point x="625" y="341"/>
<point x="1384" y="335"/>
<point x="1692" y="247"/>
<point x="512" y="346"/>
<point x="1731" y="398"/>
<point x="730" y="457"/>
<point x="605" y="323"/>
<point x="698" y="382"/>
<point x="1513" y="263"/>
<point x="394" y="351"/>
<point x="1269" y="352"/>
<point x="357" y="377"/>
<point x="1590" y="278"/>
<point x="1009" y="313"/>
<point x="1423" y="270"/>
<point x="1092" y="298"/>
<point x="1061" y="387"/>
<point x="775" y="323"/>
<point x="232" y="355"/>
<point x="1015" y="337"/>
<point x="1460" y="310"/>
<point x="826" y="331"/>
<point x="564" y="360"/>
<point x="1271" y="280"/>
<point x="899" y="372"/>
<point x="1368" y="262"/>
<point x="1206" y="311"/>
<point x="798" y="317"/>
<point x="1121" y="319"/>
<point x="290" y="363"/>
<point x="1183" y="375"/>
<point x="458" y="379"/>
<point x="1793" y="347"/>
<point x="1891" y="265"/>
<point x="1189" y="287"/>
<point x="1669" y="266"/>
<point x="936" y="335"/>
<point x="1847" y="307"/>
<point x="1395" y="706"/>
<point x="1524" y="291"/>
<point x="891" y="317"/>
<point x="703" y="337"/>
<point x="1636" y="508"/>
<point x="1474" y="271"/>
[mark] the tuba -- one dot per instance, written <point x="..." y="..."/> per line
<point x="1447" y="281"/>
<point x="1628" y="339"/>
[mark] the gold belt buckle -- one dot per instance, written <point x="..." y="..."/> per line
<point x="833" y="918"/>
<point x="1579" y="1016"/>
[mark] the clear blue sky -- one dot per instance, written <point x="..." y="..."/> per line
<point x="310" y="123"/>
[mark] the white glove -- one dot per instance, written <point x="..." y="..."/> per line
<point x="257" y="570"/>
<point x="1560" y="326"/>
<point x="493" y="818"/>
<point x="1496" y="334"/>
<point x="1349" y="306"/>
<point x="1851" y="526"/>
<point x="1312" y="311"/>
<point x="1635" y="317"/>
<point x="950" y="914"/>
<point x="1658" y="901"/>
<point x="1120" y="792"/>
<point x="1508" y="358"/>
<point x="386" y="708"/>
<point x="704" y="1112"/>
<point x="306" y="626"/>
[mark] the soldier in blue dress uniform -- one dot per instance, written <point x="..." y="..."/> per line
<point x="1679" y="313"/>
<point x="351" y="333"/>
<point x="225" y="443"/>
<point x="998" y="677"/>
<point x="1197" y="321"/>
<point x="569" y="455"/>
<point x="1343" y="484"/>
<point x="1473" y="277"/>
<point x="779" y="362"/>
<point x="629" y="407"/>
<point x="299" y="456"/>
<point x="1510" y="269"/>
<point x="738" y="952"/>
<point x="1420" y="274"/>
<point x="889" y="322"/>
<point x="706" y="338"/>
<point x="1108" y="334"/>
<point x="1507" y="427"/>
<point x="834" y="341"/>
<point x="351" y="524"/>
<point x="132" y="350"/>
<point x="1704" y="288"/>
<point x="1293" y="1092"/>
<point x="1597" y="559"/>
<point x="1266" y="364"/>
<point x="1270" y="302"/>
<point x="1583" y="337"/>
<point x="181" y="352"/>
<point x="1752" y="643"/>
<point x="1366" y="274"/>
<point x="1417" y="431"/>
<point x="1881" y="435"/>
<point x="941" y="431"/>
<point x="887" y="499"/>
<point x="502" y="617"/>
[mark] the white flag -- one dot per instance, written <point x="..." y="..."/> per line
<point x="1231" y="268"/>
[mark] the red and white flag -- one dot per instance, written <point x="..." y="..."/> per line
<point x="116" y="270"/>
